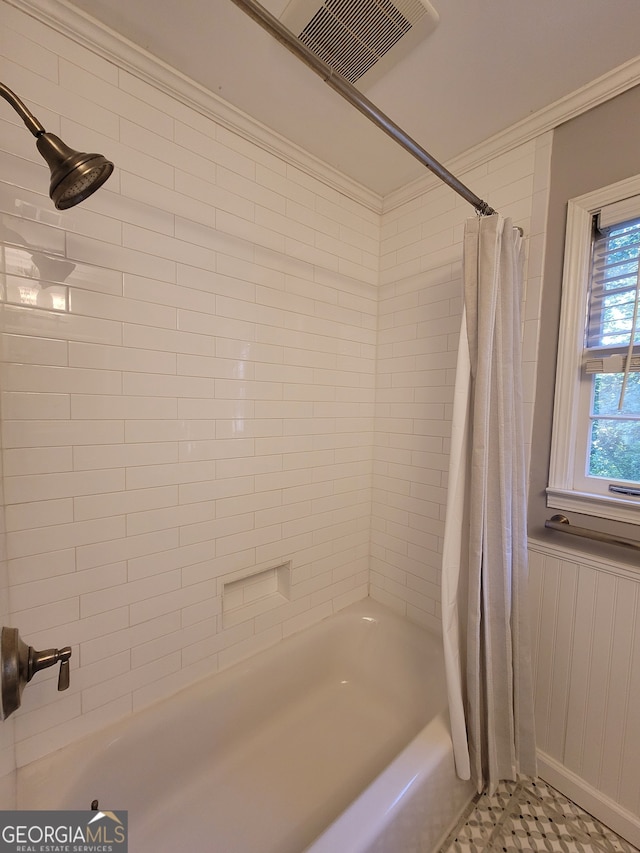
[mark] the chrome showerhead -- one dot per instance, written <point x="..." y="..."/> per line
<point x="74" y="175"/>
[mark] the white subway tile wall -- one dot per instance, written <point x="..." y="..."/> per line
<point x="7" y="733"/>
<point x="419" y="321"/>
<point x="216" y="365"/>
<point x="188" y="381"/>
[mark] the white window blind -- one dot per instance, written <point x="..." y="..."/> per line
<point x="613" y="327"/>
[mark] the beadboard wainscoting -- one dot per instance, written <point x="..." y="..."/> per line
<point x="586" y="633"/>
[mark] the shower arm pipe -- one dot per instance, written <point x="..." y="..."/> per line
<point x="359" y="101"/>
<point x="26" y="115"/>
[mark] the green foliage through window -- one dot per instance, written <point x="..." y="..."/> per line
<point x="615" y="440"/>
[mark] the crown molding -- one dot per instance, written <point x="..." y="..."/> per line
<point x="601" y="89"/>
<point x="113" y="47"/>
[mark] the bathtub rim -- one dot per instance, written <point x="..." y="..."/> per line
<point x="364" y="820"/>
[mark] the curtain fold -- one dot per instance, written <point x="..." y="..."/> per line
<point x="484" y="573"/>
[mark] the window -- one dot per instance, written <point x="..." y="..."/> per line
<point x="595" y="455"/>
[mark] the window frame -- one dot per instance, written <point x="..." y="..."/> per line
<point x="567" y="416"/>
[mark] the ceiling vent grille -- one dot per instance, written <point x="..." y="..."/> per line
<point x="360" y="39"/>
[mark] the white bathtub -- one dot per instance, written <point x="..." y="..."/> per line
<point x="334" y="741"/>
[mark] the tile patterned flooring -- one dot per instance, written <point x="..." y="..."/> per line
<point x="530" y="816"/>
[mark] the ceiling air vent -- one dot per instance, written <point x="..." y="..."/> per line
<point x="360" y="39"/>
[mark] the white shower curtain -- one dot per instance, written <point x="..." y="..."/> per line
<point x="484" y="571"/>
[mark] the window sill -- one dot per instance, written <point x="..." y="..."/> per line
<point x="614" y="508"/>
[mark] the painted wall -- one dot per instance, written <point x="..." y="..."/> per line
<point x="187" y="391"/>
<point x="591" y="151"/>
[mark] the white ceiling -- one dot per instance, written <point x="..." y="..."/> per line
<point x="488" y="64"/>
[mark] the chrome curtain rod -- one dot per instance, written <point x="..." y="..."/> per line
<point x="561" y="523"/>
<point x="359" y="101"/>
